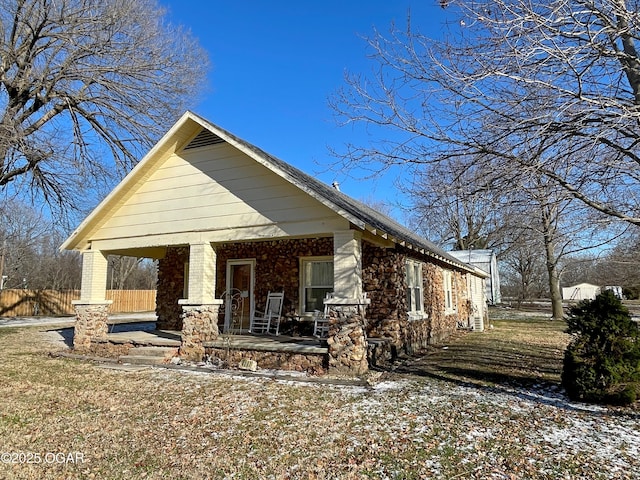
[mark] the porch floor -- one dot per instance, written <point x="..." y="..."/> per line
<point x="265" y="343"/>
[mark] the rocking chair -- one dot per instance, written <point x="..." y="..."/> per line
<point x="263" y="322"/>
<point x="320" y="324"/>
<point x="321" y="320"/>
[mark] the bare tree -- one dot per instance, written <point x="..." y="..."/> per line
<point x="453" y="207"/>
<point x="561" y="77"/>
<point x="523" y="273"/>
<point x="30" y="257"/>
<point x="20" y="230"/>
<point x="130" y="273"/>
<point x="85" y="87"/>
<point x="619" y="266"/>
<point x="472" y="206"/>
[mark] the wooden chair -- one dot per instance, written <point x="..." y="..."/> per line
<point x="321" y="320"/>
<point x="263" y="322"/>
<point x="320" y="324"/>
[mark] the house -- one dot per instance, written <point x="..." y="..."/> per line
<point x="581" y="291"/>
<point x="486" y="261"/>
<point x="220" y="214"/>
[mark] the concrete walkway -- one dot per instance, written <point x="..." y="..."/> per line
<point x="114" y="319"/>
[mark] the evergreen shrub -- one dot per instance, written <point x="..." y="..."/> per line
<point x="602" y="361"/>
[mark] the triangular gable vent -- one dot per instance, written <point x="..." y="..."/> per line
<point x="204" y="139"/>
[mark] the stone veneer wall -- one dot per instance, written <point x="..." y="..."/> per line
<point x="315" y="364"/>
<point x="200" y="324"/>
<point x="170" y="288"/>
<point x="384" y="279"/>
<point x="347" y="339"/>
<point x="463" y="304"/>
<point x="277" y="267"/>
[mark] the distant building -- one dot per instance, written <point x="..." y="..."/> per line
<point x="581" y="291"/>
<point x="587" y="291"/>
<point x="485" y="260"/>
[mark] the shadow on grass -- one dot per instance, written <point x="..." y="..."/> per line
<point x="520" y="358"/>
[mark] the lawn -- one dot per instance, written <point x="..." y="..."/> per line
<point x="488" y="406"/>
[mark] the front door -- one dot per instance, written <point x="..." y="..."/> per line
<point x="239" y="296"/>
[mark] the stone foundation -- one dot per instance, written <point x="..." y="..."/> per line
<point x="91" y="324"/>
<point x="381" y="352"/>
<point x="315" y="364"/>
<point x="199" y="324"/>
<point x="347" y="339"/>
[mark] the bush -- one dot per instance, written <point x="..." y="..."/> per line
<point x="602" y="362"/>
<point x="632" y="292"/>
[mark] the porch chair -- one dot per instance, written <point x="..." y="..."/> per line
<point x="321" y="320"/>
<point x="320" y="324"/>
<point x="263" y="322"/>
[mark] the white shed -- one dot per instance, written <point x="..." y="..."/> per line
<point x="581" y="291"/>
<point x="486" y="261"/>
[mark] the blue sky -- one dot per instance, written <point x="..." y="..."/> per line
<point x="276" y="63"/>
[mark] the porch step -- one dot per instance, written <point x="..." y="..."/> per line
<point x="148" y="355"/>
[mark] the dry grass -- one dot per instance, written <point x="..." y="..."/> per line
<point x="486" y="407"/>
<point x="525" y="350"/>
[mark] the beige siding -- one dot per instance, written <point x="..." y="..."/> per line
<point x="216" y="189"/>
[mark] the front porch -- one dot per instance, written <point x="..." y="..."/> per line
<point x="195" y="315"/>
<point x="173" y="338"/>
<point x="281" y="352"/>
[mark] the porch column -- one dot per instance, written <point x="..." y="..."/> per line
<point x="347" y="338"/>
<point x="200" y="308"/>
<point x="347" y="264"/>
<point x="92" y="309"/>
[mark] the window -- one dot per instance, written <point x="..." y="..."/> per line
<point x="316" y="281"/>
<point x="414" y="290"/>
<point x="448" y="292"/>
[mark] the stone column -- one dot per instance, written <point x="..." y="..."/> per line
<point x="199" y="325"/>
<point x="200" y="308"/>
<point x="91" y="323"/>
<point x="347" y="337"/>
<point x="92" y="309"/>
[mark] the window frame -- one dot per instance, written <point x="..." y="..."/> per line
<point x="415" y="289"/>
<point x="447" y="283"/>
<point x="304" y="261"/>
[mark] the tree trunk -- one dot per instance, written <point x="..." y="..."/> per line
<point x="557" y="311"/>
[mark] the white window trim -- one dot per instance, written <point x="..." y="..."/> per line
<point x="447" y="280"/>
<point x="416" y="314"/>
<point x="301" y="296"/>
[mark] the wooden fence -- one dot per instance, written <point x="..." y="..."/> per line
<point x="27" y="303"/>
